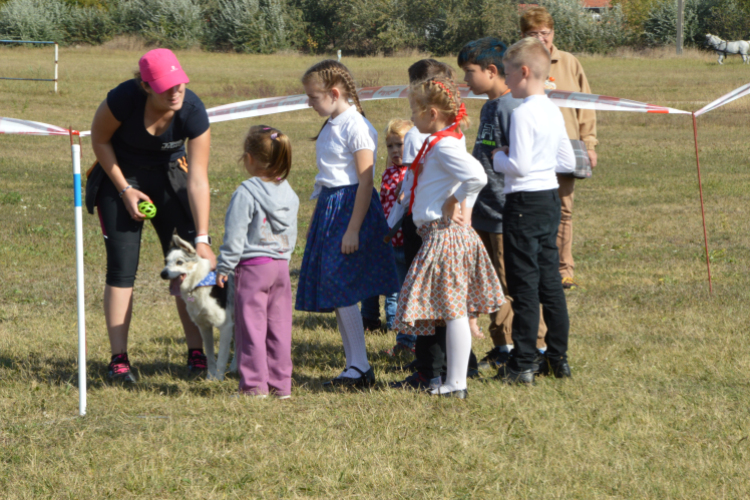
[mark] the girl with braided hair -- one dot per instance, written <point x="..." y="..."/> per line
<point x="452" y="276"/>
<point x="346" y="259"/>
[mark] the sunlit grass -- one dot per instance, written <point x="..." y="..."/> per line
<point x="657" y="407"/>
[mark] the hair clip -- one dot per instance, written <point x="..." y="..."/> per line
<point x="274" y="136"/>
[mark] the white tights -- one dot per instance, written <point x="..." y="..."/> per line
<point x="353" y="337"/>
<point x="458" y="349"/>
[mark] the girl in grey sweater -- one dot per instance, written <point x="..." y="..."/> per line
<point x="259" y="237"/>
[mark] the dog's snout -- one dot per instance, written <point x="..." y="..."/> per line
<point x="164" y="275"/>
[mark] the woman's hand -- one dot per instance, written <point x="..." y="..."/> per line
<point x="220" y="280"/>
<point x="131" y="198"/>
<point x="452" y="211"/>
<point x="350" y="242"/>
<point x="204" y="251"/>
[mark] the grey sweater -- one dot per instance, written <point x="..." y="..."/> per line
<point x="494" y="131"/>
<point x="261" y="221"/>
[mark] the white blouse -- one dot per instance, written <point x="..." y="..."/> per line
<point x="448" y="170"/>
<point x="339" y="139"/>
<point x="413" y="141"/>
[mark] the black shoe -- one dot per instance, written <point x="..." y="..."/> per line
<point x="458" y="394"/>
<point x="494" y="359"/>
<point x="557" y="367"/>
<point x="416" y="381"/>
<point x="472" y="373"/>
<point x="365" y="380"/>
<point x="372" y="325"/>
<point x="539" y="364"/>
<point x="508" y="375"/>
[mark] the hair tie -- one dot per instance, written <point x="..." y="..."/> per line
<point x="274" y="136"/>
<point x="266" y="128"/>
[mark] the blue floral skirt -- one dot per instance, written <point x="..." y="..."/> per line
<point x="330" y="279"/>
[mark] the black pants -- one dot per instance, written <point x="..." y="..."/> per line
<point x="532" y="269"/>
<point x="122" y="234"/>
<point x="429" y="349"/>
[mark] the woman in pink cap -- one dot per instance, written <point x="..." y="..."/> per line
<point x="138" y="136"/>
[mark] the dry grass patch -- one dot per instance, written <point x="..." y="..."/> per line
<point x="657" y="407"/>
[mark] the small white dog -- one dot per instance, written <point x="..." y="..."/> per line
<point x="208" y="306"/>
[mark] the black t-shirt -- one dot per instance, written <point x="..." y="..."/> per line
<point x="134" y="146"/>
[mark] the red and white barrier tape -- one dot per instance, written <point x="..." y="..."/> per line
<point x="725" y="99"/>
<point x="24" y="127"/>
<point x="273" y="105"/>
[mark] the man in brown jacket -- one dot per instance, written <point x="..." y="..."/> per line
<point x="566" y="73"/>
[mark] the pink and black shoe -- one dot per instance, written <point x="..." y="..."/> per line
<point x="196" y="362"/>
<point x="119" y="369"/>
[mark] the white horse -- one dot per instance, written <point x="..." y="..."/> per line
<point x="723" y="48"/>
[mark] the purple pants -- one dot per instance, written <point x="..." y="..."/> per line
<point x="263" y="327"/>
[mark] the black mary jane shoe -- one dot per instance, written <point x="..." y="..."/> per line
<point x="458" y="394"/>
<point x="365" y="380"/>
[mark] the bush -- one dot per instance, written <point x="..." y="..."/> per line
<point x="660" y="28"/>
<point x="249" y="26"/>
<point x="88" y="25"/>
<point x="174" y="24"/>
<point x="39" y="20"/>
<point x="577" y="30"/>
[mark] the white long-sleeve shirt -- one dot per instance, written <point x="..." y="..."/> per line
<point x="413" y="141"/>
<point x="539" y="147"/>
<point x="448" y="170"/>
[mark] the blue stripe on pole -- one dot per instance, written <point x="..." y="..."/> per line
<point x="77" y="189"/>
<point x="25" y="41"/>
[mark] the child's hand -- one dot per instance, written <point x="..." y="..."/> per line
<point x="503" y="149"/>
<point x="221" y="279"/>
<point x="452" y="211"/>
<point x="350" y="242"/>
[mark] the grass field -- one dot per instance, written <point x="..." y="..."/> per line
<point x="657" y="408"/>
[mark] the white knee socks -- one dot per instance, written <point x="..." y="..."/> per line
<point x="458" y="349"/>
<point x="353" y="337"/>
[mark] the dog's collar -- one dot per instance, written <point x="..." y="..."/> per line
<point x="209" y="280"/>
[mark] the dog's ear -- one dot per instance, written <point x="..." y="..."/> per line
<point x="183" y="245"/>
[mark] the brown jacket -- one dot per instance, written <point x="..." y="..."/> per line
<point x="568" y="75"/>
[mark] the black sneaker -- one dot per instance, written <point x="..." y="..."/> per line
<point x="197" y="362"/>
<point x="372" y="325"/>
<point x="508" y="375"/>
<point x="398" y="367"/>
<point x="365" y="380"/>
<point x="119" y="369"/>
<point x="557" y="367"/>
<point x="494" y="359"/>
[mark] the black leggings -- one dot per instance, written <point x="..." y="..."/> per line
<point x="122" y="234"/>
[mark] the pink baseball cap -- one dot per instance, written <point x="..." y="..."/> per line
<point x="161" y="70"/>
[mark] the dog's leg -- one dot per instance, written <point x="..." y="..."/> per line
<point x="225" y="341"/>
<point x="207" y="333"/>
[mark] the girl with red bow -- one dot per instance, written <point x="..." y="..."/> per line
<point x="452" y="277"/>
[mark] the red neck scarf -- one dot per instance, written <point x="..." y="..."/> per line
<point x="452" y="131"/>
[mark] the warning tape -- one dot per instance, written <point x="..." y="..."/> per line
<point x="725" y="99"/>
<point x="273" y="105"/>
<point x="24" y="127"/>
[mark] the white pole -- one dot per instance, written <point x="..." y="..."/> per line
<point x="680" y="22"/>
<point x="55" y="67"/>
<point x="75" y="150"/>
<point x="338" y="53"/>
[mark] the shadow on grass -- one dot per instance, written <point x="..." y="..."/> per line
<point x="63" y="371"/>
<point x="313" y="321"/>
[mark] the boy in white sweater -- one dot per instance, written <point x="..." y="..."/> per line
<point x="539" y="147"/>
